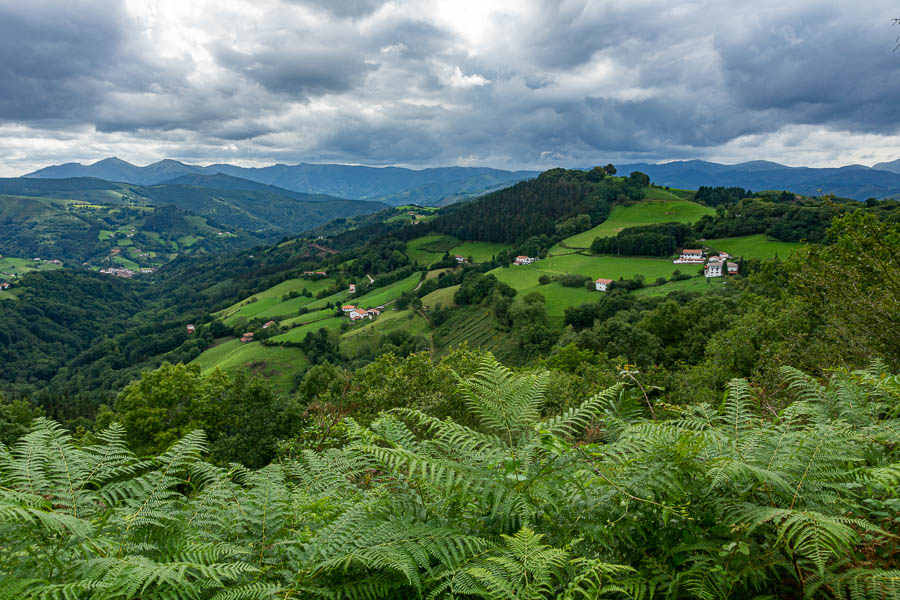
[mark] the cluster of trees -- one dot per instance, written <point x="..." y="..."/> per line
<point x="789" y="222"/>
<point x="534" y="207"/>
<point x="647" y="240"/>
<point x="721" y="196"/>
<point x="477" y="287"/>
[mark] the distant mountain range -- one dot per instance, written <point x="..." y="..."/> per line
<point x="392" y="185"/>
<point x="853" y="181"/>
<point x="229" y="201"/>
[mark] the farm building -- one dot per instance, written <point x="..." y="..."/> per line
<point x="713" y="269"/>
<point x="191" y="329"/>
<point x="524" y="260"/>
<point x="689" y="256"/>
<point x="601" y="285"/>
<point x="247" y="337"/>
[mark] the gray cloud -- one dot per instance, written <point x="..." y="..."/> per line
<point x="528" y="84"/>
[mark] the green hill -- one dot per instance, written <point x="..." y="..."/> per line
<point x="280" y="365"/>
<point x="131" y="234"/>
<point x="646" y="212"/>
<point x="753" y="246"/>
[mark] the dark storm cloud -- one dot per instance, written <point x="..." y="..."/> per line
<point x="816" y="67"/>
<point x="299" y="70"/>
<point x="55" y="58"/>
<point x="409" y="81"/>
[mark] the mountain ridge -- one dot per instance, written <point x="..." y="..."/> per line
<point x="851" y="181"/>
<point x="392" y="185"/>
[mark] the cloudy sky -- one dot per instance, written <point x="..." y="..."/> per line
<point x="509" y="84"/>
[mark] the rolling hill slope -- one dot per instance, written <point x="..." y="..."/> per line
<point x="249" y="210"/>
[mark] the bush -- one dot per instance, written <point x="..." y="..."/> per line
<point x="573" y="280"/>
<point x="544" y="279"/>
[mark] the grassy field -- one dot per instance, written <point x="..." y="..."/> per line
<point x="430" y="248"/>
<point x="4" y="295"/>
<point x="298" y="333"/>
<point x="364" y="338"/>
<point x="383" y="295"/>
<point x="278" y="364"/>
<point x="443" y="296"/>
<point x="21" y="266"/>
<point x="269" y="302"/>
<point x="694" y="284"/>
<point x="479" y="251"/>
<point x="647" y="212"/>
<point x="309" y="317"/>
<point x="525" y="278"/>
<point x="753" y="246"/>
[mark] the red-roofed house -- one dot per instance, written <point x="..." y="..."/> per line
<point x="269" y="324"/>
<point x="247" y="337"/>
<point x="601" y="285"/>
<point x="191" y="329"/>
<point x="356" y="315"/>
<point x="732" y="268"/>
<point x="352" y="288"/>
<point x="689" y="256"/>
<point x="373" y="312"/>
<point x="347" y="307"/>
<point x="524" y="260"/>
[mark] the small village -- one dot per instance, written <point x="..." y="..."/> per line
<point x="713" y="265"/>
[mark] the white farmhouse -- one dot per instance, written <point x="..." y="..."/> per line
<point x="689" y="256"/>
<point x="713" y="269"/>
<point x="524" y="260"/>
<point x="601" y="285"/>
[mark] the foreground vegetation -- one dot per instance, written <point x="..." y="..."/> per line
<point x="615" y="497"/>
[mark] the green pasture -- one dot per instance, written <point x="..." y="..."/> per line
<point x="646" y="212"/>
<point x="271" y="298"/>
<point x="430" y="248"/>
<point x="368" y="333"/>
<point x="694" y="284"/>
<point x="479" y="251"/>
<point x="381" y="296"/>
<point x="298" y="333"/>
<point x="20" y="266"/>
<point x="278" y="364"/>
<point x="524" y="278"/>
<point x="753" y="246"/>
<point x="443" y="296"/>
<point x="125" y="262"/>
<point x="309" y="317"/>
